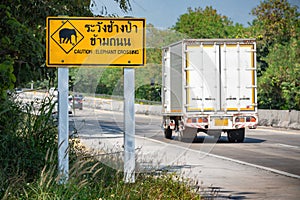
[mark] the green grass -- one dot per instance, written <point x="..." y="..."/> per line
<point x="28" y="167"/>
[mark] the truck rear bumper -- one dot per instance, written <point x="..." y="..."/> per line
<point x="224" y="122"/>
<point x="212" y="122"/>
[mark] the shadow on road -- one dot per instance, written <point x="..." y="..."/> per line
<point x="221" y="140"/>
<point x="207" y="192"/>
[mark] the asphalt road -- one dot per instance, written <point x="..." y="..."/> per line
<point x="265" y="166"/>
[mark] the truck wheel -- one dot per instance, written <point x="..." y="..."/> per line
<point x="187" y="135"/>
<point x="236" y="136"/>
<point x="168" y="133"/>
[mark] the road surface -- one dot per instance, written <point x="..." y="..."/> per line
<point x="265" y="166"/>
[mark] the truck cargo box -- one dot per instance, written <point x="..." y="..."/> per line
<point x="209" y="84"/>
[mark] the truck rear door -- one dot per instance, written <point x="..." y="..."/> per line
<point x="202" y="77"/>
<point x="237" y="77"/>
<point x="220" y="77"/>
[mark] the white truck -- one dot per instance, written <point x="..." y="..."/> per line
<point x="209" y="85"/>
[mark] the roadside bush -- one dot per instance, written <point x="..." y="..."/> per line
<point x="27" y="132"/>
<point x="28" y="167"/>
<point x="149" y="92"/>
<point x="7" y="77"/>
<point x="91" y="179"/>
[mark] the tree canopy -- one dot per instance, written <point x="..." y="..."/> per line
<point x="276" y="28"/>
<point x="22" y="33"/>
<point x="206" y="23"/>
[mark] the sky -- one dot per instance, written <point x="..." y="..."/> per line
<point x="165" y="13"/>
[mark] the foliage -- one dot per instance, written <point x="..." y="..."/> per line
<point x="19" y="46"/>
<point x="279" y="87"/>
<point x="28" y="167"/>
<point x="93" y="180"/>
<point x="158" y="38"/>
<point x="277" y="29"/>
<point x="207" y="23"/>
<point x="7" y="78"/>
<point x="149" y="92"/>
<point x="84" y="80"/>
<point x="22" y="33"/>
<point x="276" y="22"/>
<point x="26" y="133"/>
<point x="110" y="82"/>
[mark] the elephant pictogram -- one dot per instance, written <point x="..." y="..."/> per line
<point x="65" y="35"/>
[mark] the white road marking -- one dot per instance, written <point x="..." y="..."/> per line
<point x="288" y="146"/>
<point x="229" y="159"/>
<point x="287" y="131"/>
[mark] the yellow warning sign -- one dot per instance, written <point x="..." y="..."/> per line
<point x="95" y="41"/>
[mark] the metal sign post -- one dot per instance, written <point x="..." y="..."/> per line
<point x="63" y="125"/>
<point x="129" y="126"/>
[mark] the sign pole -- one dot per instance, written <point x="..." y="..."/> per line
<point x="63" y="125"/>
<point x="129" y="126"/>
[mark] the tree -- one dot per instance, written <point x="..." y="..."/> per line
<point x="22" y="32"/>
<point x="276" y="23"/>
<point x="19" y="47"/>
<point x="279" y="86"/>
<point x="277" y="29"/>
<point x="7" y="78"/>
<point x="207" y="23"/>
<point x="110" y="81"/>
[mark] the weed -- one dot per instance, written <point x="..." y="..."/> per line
<point x="28" y="167"/>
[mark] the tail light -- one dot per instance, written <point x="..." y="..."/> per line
<point x="240" y="119"/>
<point x="253" y="119"/>
<point x="245" y="119"/>
<point x="197" y="120"/>
<point x="202" y="120"/>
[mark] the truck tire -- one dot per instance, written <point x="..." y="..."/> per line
<point x="187" y="135"/>
<point x="236" y="136"/>
<point x="168" y="133"/>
